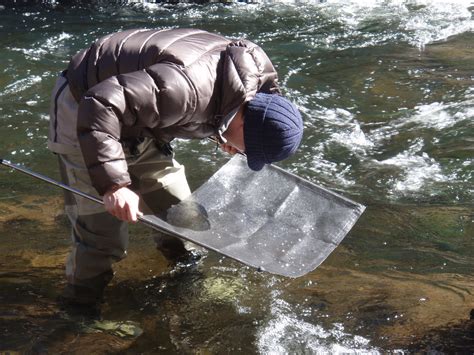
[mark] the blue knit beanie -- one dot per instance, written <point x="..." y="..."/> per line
<point x="273" y="129"/>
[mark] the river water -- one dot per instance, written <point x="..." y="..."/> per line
<point x="387" y="93"/>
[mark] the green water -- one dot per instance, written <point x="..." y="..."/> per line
<point x="387" y="94"/>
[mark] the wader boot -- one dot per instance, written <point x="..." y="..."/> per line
<point x="175" y="251"/>
<point x="86" y="298"/>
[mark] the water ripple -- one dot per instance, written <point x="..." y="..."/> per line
<point x="42" y="48"/>
<point x="21" y="85"/>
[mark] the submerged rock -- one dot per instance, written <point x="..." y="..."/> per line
<point x="123" y="329"/>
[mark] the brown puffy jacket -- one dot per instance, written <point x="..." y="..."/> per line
<point x="159" y="83"/>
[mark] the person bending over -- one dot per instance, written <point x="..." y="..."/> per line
<point x="114" y="112"/>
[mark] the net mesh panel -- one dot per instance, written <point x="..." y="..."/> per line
<point x="271" y="220"/>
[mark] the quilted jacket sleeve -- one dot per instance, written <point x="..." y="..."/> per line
<point x="157" y="96"/>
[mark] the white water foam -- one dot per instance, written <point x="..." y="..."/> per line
<point x="419" y="22"/>
<point x="326" y="169"/>
<point x="285" y="333"/>
<point x="436" y="115"/>
<point x="337" y="127"/>
<point x="349" y="132"/>
<point x="363" y="23"/>
<point x="441" y="116"/>
<point x="414" y="170"/>
<point x="40" y="49"/>
<point x="417" y="170"/>
<point x="21" y="84"/>
<point x="437" y="20"/>
<point x="353" y="138"/>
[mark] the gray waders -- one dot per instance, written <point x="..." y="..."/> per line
<point x="99" y="239"/>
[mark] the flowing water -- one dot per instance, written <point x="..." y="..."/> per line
<point x="387" y="93"/>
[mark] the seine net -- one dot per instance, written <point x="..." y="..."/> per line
<point x="272" y="220"/>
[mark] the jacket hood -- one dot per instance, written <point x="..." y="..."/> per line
<point x="246" y="71"/>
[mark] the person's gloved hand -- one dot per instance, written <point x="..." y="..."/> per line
<point x="123" y="204"/>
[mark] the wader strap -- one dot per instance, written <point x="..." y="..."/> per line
<point x="58" y="93"/>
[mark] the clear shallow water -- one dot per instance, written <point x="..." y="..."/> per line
<point x="387" y="93"/>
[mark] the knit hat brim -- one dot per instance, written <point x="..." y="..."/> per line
<point x="255" y="163"/>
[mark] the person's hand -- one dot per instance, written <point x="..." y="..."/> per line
<point x="229" y="148"/>
<point x="123" y="204"/>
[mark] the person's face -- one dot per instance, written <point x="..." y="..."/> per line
<point x="235" y="132"/>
